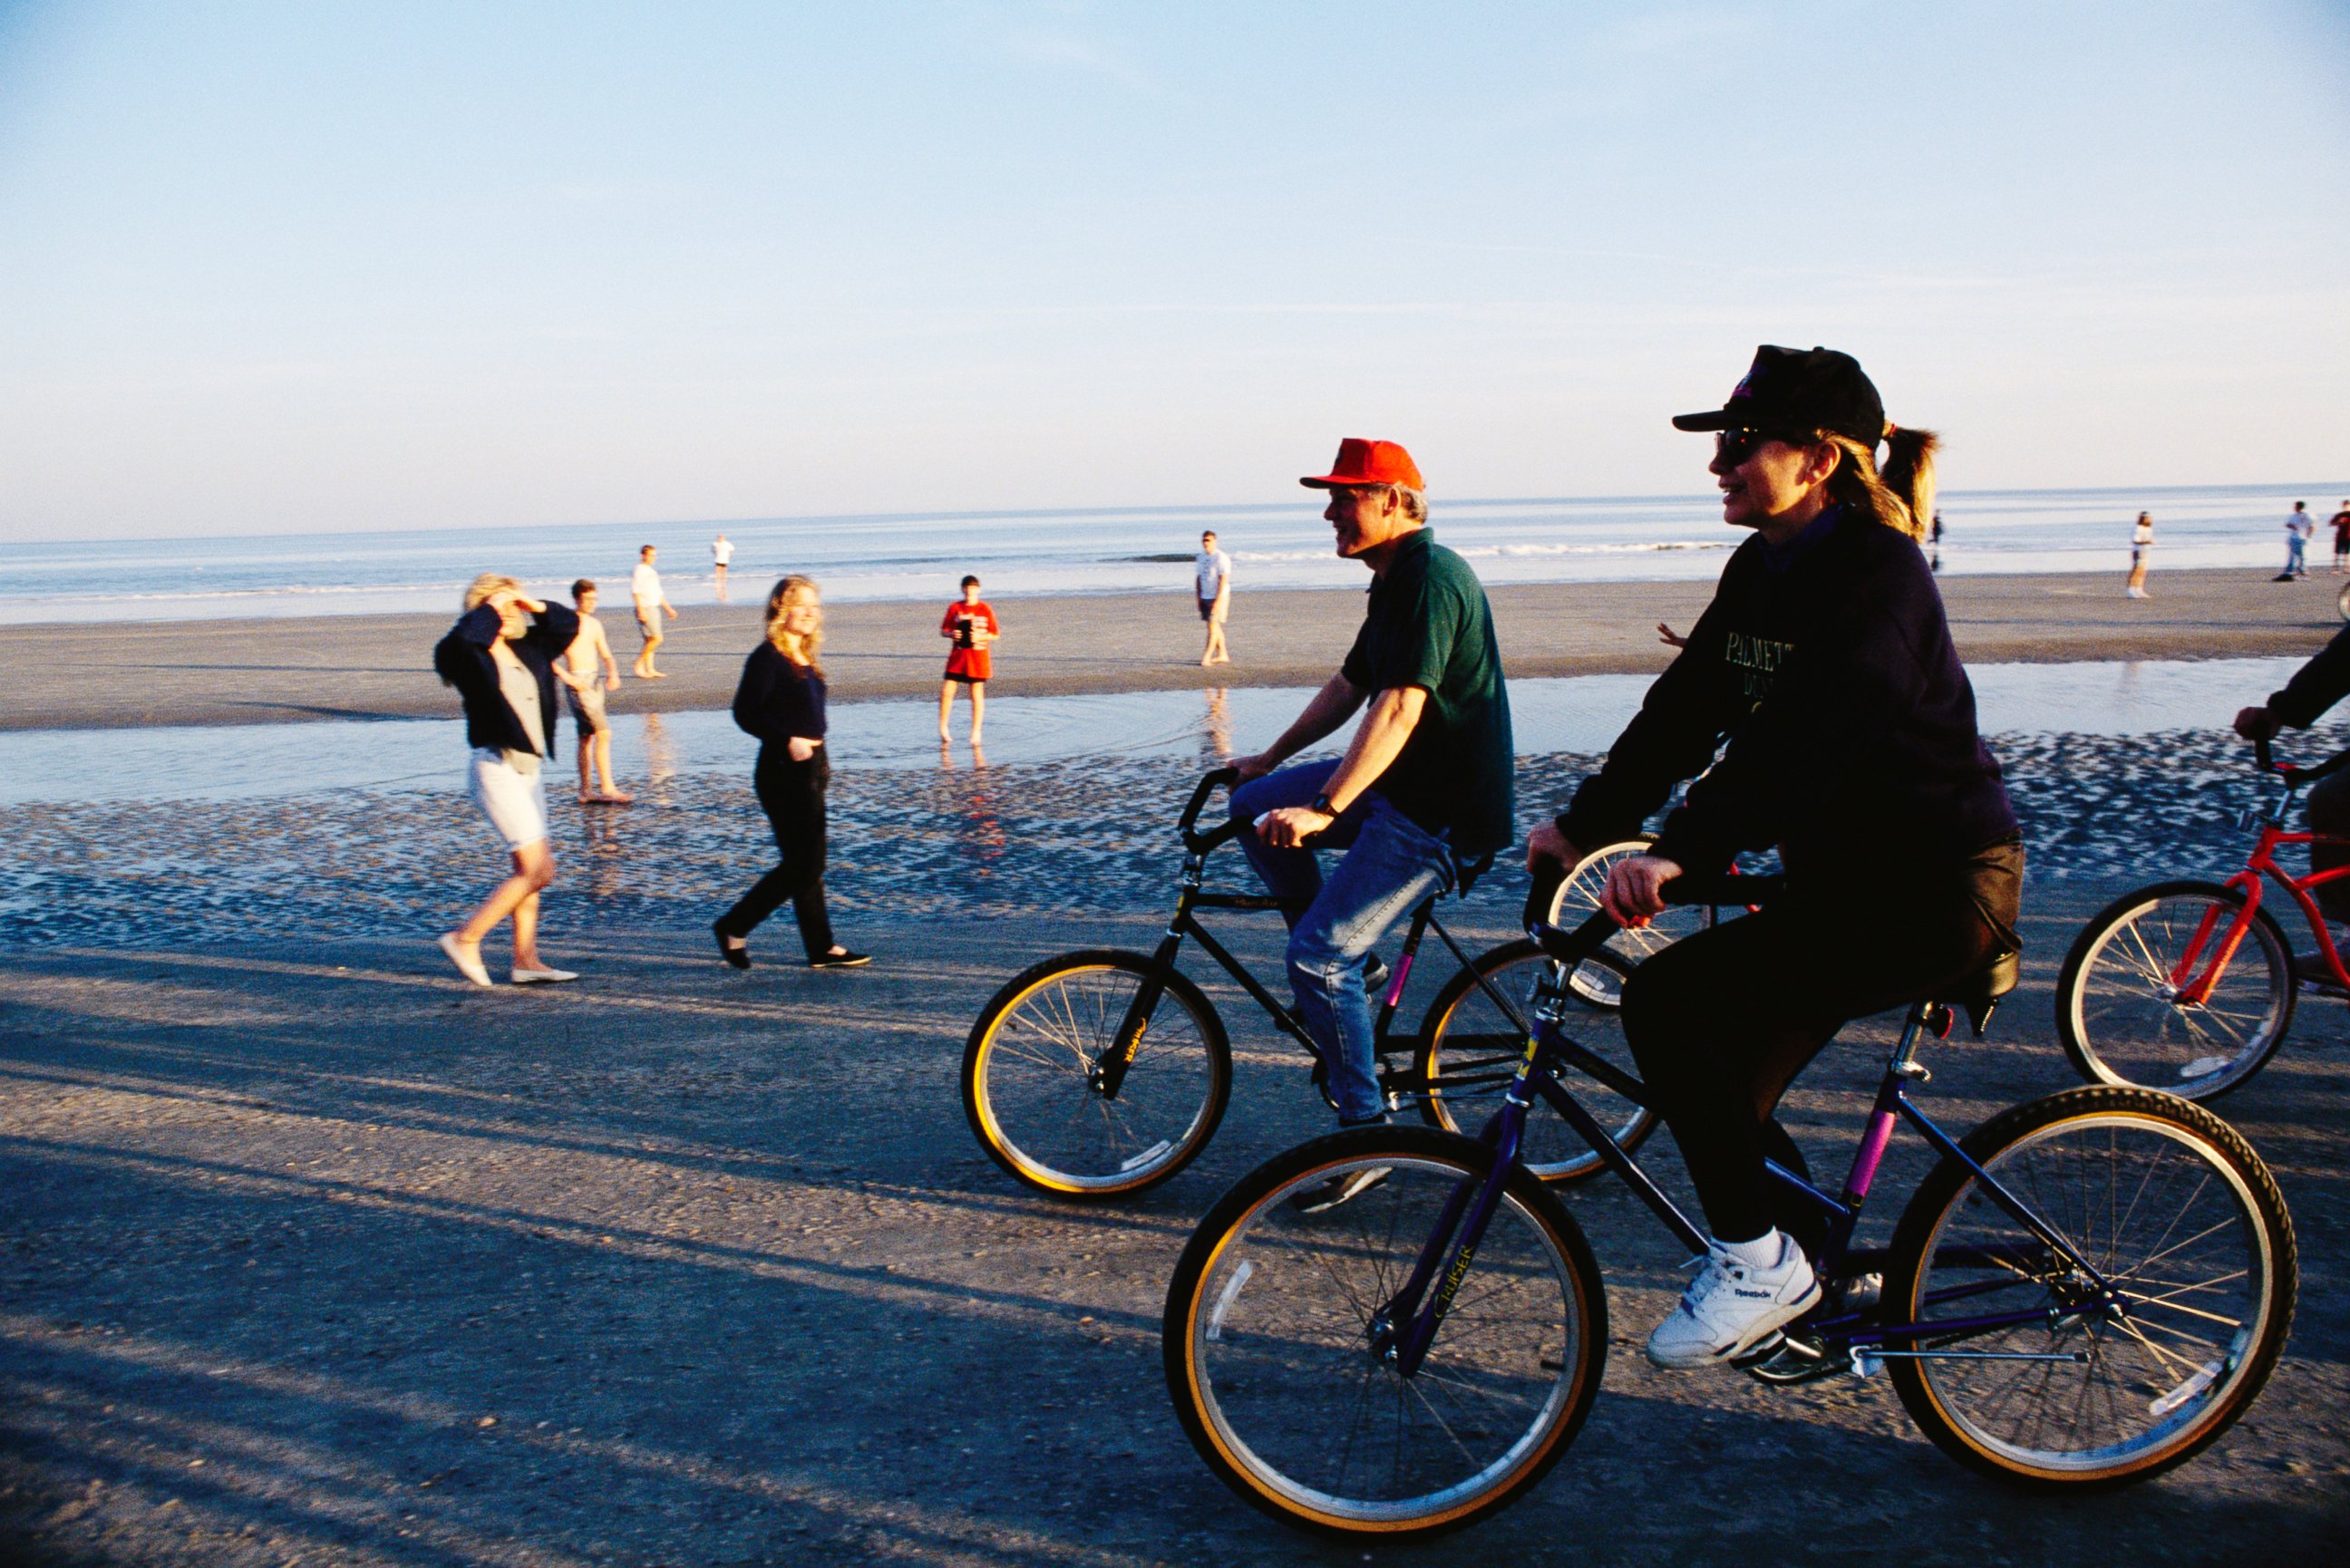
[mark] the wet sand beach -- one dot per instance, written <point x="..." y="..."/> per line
<point x="250" y="671"/>
<point x="314" y="1254"/>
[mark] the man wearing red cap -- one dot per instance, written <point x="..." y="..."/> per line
<point x="1425" y="780"/>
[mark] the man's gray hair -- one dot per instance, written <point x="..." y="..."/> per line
<point x="1414" y="504"/>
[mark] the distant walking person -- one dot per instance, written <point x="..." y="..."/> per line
<point x="645" y="588"/>
<point x="2340" y="524"/>
<point x="587" y="672"/>
<point x="721" y="555"/>
<point x="781" y="701"/>
<point x="2298" y="527"/>
<point x="1212" y="584"/>
<point x="1934" y="538"/>
<point x="971" y="627"/>
<point x="503" y="666"/>
<point x="2141" y="546"/>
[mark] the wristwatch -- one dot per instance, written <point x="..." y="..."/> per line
<point x="1321" y="803"/>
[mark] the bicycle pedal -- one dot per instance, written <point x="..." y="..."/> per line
<point x="1760" y="1352"/>
<point x="1797" y="1358"/>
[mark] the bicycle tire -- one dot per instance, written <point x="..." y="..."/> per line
<point x="2050" y="1153"/>
<point x="1018" y="1100"/>
<point x="1463" y="1019"/>
<point x="2119" y="1026"/>
<point x="1258" y="1290"/>
<point x="1577" y="899"/>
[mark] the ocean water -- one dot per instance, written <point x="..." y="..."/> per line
<point x="1578" y="714"/>
<point x="164" y="838"/>
<point x="921" y="556"/>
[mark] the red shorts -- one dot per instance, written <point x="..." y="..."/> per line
<point x="969" y="665"/>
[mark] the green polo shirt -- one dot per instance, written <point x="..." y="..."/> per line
<point x="1428" y="626"/>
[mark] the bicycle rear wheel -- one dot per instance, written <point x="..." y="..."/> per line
<point x="2119" y="1010"/>
<point x="2179" y="1216"/>
<point x="1028" y="1088"/>
<point x="1271" y="1317"/>
<point x="1467" y="1038"/>
<point x="1578" y="899"/>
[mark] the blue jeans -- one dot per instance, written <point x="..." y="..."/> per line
<point x="2296" y="560"/>
<point x="1391" y="864"/>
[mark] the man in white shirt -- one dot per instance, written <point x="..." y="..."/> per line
<point x="645" y="588"/>
<point x="1212" y="582"/>
<point x="721" y="555"/>
<point x="2298" y="527"/>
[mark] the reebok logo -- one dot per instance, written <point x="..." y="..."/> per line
<point x="1754" y="1295"/>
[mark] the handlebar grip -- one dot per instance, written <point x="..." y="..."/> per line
<point x="1549" y="877"/>
<point x="2262" y="755"/>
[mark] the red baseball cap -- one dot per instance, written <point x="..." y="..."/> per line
<point x="1364" y="461"/>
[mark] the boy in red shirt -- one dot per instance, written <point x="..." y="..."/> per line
<point x="971" y="627"/>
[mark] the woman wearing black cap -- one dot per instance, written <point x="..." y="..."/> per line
<point x="1825" y="664"/>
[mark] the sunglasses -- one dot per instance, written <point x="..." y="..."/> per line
<point x="1737" y="444"/>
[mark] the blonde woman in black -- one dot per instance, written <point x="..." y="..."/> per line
<point x="780" y="700"/>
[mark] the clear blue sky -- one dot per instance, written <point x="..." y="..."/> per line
<point x="272" y="266"/>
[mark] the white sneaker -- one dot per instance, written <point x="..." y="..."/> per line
<point x="1732" y="1306"/>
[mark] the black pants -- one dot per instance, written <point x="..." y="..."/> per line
<point x="792" y="795"/>
<point x="1721" y="1022"/>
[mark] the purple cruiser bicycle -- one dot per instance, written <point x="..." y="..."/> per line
<point x="2085" y="1291"/>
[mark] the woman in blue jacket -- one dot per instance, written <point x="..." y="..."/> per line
<point x="1823" y="674"/>
<point x="502" y="661"/>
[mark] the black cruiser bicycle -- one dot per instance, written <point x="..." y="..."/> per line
<point x="1104" y="1072"/>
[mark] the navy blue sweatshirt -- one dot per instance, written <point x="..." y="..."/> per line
<point x="778" y="699"/>
<point x="1827" y="665"/>
<point x="462" y="659"/>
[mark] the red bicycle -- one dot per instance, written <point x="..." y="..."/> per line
<point x="2189" y="986"/>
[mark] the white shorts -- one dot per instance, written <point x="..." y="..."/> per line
<point x="515" y="803"/>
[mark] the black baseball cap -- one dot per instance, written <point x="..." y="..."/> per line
<point x="1799" y="390"/>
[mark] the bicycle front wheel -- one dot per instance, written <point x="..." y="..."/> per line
<point x="1578" y="899"/>
<point x="2120" y="1013"/>
<point x="2081" y="1388"/>
<point x="1271" y="1319"/>
<point x="1469" y="1049"/>
<point x="1028" y="1076"/>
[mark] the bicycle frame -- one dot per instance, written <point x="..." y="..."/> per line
<point x="1109" y="1071"/>
<point x="2260" y="868"/>
<point x="1407" y="1325"/>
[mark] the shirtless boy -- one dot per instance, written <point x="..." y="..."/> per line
<point x="585" y="685"/>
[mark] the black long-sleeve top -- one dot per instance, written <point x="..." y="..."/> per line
<point x="463" y="659"/>
<point x="778" y="699"/>
<point x="2317" y="685"/>
<point x="1827" y="665"/>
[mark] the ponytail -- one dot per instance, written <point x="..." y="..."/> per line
<point x="1902" y="497"/>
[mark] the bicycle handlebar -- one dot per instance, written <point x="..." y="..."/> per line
<point x="2293" y="777"/>
<point x="1573" y="947"/>
<point x="1187" y="823"/>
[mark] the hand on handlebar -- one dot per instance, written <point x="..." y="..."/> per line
<point x="1547" y="843"/>
<point x="1252" y="767"/>
<point x="2257" y="724"/>
<point x="1634" y="891"/>
<point x="1291" y="825"/>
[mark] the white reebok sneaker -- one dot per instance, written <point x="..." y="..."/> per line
<point x="1732" y="1306"/>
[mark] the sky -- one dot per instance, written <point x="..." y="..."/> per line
<point x="290" y="268"/>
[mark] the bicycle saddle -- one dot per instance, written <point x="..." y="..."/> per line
<point x="1979" y="993"/>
